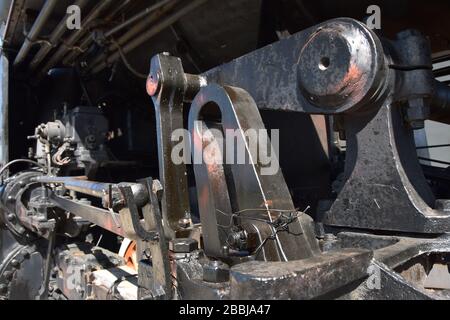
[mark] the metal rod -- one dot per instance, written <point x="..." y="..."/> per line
<point x="137" y="17"/>
<point x="104" y="191"/>
<point x="55" y="37"/>
<point x="70" y="42"/>
<point x="86" y="42"/>
<point x="35" y="30"/>
<point x="95" y="189"/>
<point x="103" y="218"/>
<point x="48" y="264"/>
<point x="137" y="29"/>
<point x="12" y="22"/>
<point x="440" y="104"/>
<point x="4" y="110"/>
<point x="150" y="33"/>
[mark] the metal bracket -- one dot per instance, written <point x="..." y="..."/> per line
<point x="169" y="87"/>
<point x="226" y="189"/>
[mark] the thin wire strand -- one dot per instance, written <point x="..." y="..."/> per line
<point x="126" y="63"/>
<point x="280" y="224"/>
<point x="6" y="166"/>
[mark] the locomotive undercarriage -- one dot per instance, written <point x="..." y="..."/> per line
<point x="78" y="222"/>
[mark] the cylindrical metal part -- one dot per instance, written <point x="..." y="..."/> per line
<point x="4" y="99"/>
<point x="95" y="189"/>
<point x="135" y="30"/>
<point x="32" y="36"/>
<point x="440" y="104"/>
<point x="54" y="38"/>
<point x="98" y="189"/>
<point x="137" y="17"/>
<point x="150" y="33"/>
<point x="88" y="39"/>
<point x="59" y="54"/>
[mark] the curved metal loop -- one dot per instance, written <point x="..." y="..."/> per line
<point x="225" y="189"/>
<point x="134" y="215"/>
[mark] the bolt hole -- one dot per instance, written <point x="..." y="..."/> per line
<point x="324" y="63"/>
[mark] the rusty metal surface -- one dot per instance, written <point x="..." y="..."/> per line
<point x="103" y="218"/>
<point x="169" y="84"/>
<point x="275" y="73"/>
<point x="302" y="279"/>
<point x="258" y="196"/>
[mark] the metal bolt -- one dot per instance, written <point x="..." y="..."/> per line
<point x="15" y="263"/>
<point x="153" y="84"/>
<point x="216" y="271"/>
<point x="184" y="223"/>
<point x="183" y="245"/>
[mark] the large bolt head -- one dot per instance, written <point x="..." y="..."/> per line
<point x="216" y="271"/>
<point x="153" y="83"/>
<point x="183" y="245"/>
<point x="340" y="65"/>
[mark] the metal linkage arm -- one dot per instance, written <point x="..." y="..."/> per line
<point x="169" y="87"/>
<point x="243" y="195"/>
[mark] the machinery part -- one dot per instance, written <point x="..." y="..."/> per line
<point x="440" y="104"/>
<point x="21" y="269"/>
<point x="160" y="283"/>
<point x="71" y="41"/>
<point x="341" y="66"/>
<point x="105" y="219"/>
<point x="16" y="215"/>
<point x="4" y="108"/>
<point x="169" y="87"/>
<point x="302" y="279"/>
<point x="109" y="192"/>
<point x="133" y="32"/>
<point x="43" y="293"/>
<point x="216" y="272"/>
<point x="89" y="38"/>
<point x="345" y="46"/>
<point x="114" y="284"/>
<point x="55" y="37"/>
<point x="33" y="35"/>
<point x="128" y="253"/>
<point x="75" y="264"/>
<point x="397" y="267"/>
<point x="385" y="188"/>
<point x="266" y="196"/>
<point x="150" y="32"/>
<point x="131" y="219"/>
<point x="183" y="245"/>
<point x="80" y="135"/>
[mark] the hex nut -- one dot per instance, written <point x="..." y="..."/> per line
<point x="216" y="271"/>
<point x="183" y="245"/>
